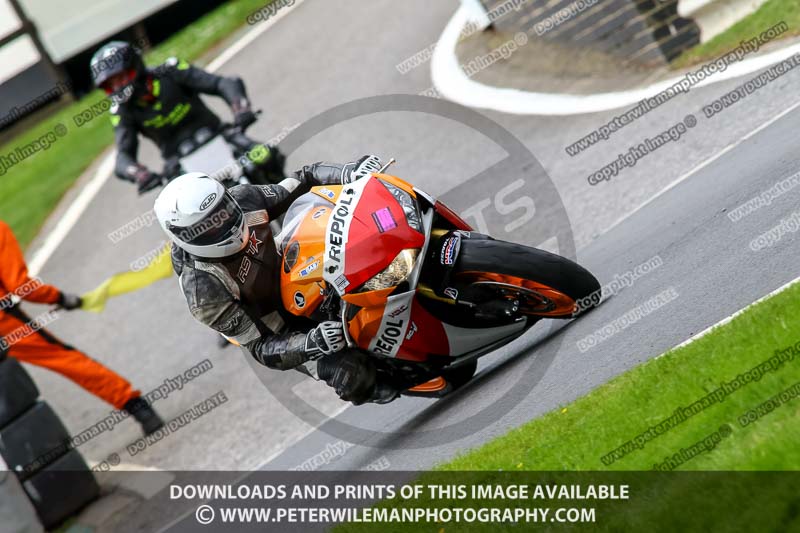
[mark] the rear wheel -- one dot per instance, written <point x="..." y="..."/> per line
<point x="515" y="279"/>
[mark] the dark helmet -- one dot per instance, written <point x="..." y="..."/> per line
<point x="118" y="69"/>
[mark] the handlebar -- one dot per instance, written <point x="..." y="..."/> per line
<point x="229" y="127"/>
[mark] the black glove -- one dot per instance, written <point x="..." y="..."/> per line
<point x="69" y="301"/>
<point x="172" y="168"/>
<point x="147" y="181"/>
<point x="243" y="116"/>
<point x="327" y="338"/>
<point x="351" y="374"/>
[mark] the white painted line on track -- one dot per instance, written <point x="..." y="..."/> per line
<point x="705" y="163"/>
<point x="734" y="315"/>
<point x="452" y="83"/>
<point x="106" y="169"/>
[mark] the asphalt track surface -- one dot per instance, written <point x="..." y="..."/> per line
<point x="324" y="54"/>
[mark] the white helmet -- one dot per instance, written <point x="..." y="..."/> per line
<point x="200" y="216"/>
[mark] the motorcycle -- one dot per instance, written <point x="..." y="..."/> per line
<point x="414" y="285"/>
<point x="227" y="150"/>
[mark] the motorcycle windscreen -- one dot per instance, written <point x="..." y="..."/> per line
<point x="366" y="231"/>
<point x="215" y="159"/>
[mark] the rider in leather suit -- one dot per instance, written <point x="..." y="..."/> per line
<point x="228" y="266"/>
<point x="164" y="105"/>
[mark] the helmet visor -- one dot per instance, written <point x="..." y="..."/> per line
<point x="118" y="82"/>
<point x="221" y="224"/>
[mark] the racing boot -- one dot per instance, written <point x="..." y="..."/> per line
<point x="143" y="412"/>
<point x="383" y="393"/>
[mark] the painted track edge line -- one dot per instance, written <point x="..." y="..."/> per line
<point x="106" y="169"/>
<point x="728" y="319"/>
<point x="452" y="83"/>
<point x="700" y="166"/>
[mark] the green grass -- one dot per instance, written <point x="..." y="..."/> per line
<point x="767" y="16"/>
<point x="574" y="437"/>
<point x="30" y="190"/>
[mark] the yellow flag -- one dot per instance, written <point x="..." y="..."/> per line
<point x="158" y="268"/>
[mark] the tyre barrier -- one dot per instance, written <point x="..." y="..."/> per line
<point x="17" y="514"/>
<point x="61" y="489"/>
<point x="35" y="445"/>
<point x="18" y="392"/>
<point x="32" y="440"/>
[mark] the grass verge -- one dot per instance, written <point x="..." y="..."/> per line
<point x="30" y="190"/>
<point x="767" y="16"/>
<point x="705" y="478"/>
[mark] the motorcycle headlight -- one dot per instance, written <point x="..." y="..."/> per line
<point x="409" y="205"/>
<point x="395" y="274"/>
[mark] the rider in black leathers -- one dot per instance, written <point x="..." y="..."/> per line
<point x="164" y="105"/>
<point x="239" y="295"/>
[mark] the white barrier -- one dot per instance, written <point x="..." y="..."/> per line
<point x="715" y="16"/>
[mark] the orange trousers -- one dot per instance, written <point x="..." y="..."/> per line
<point x="43" y="349"/>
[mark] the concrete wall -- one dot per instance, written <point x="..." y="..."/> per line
<point x="715" y="16"/>
<point x="647" y="32"/>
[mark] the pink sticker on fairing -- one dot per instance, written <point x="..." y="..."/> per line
<point x="384" y="220"/>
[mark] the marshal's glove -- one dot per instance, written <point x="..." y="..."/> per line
<point x="69" y="301"/>
<point x="325" y="339"/>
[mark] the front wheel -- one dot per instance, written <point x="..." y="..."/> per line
<point x="517" y="279"/>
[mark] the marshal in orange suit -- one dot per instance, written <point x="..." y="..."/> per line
<point x="27" y="342"/>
